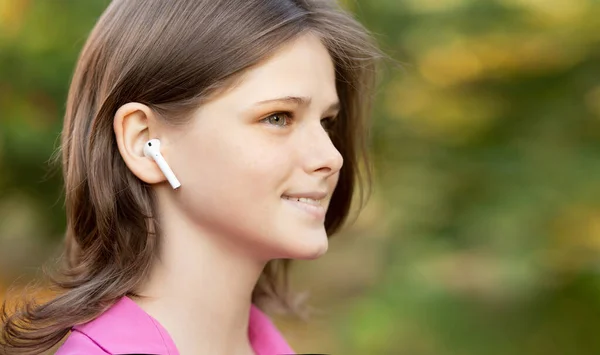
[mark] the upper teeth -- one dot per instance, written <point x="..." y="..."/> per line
<point x="305" y="200"/>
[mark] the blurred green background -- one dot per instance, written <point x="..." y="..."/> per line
<point x="483" y="232"/>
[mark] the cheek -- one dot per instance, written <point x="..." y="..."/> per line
<point x="249" y="167"/>
<point x="232" y="172"/>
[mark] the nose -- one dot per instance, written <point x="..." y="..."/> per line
<point x="321" y="156"/>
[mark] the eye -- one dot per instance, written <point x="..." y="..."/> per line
<point x="328" y="123"/>
<point x="280" y="119"/>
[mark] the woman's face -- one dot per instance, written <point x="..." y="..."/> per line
<point x="256" y="164"/>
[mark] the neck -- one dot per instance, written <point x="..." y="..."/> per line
<point x="200" y="289"/>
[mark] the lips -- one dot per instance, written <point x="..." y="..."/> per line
<point x="310" y="203"/>
<point x="311" y="195"/>
<point x="303" y="200"/>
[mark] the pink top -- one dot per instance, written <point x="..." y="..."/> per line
<point x="125" y="328"/>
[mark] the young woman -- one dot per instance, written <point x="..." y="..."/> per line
<point x="258" y="110"/>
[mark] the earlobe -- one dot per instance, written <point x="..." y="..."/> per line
<point x="134" y="125"/>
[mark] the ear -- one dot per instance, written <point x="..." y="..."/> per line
<point x="134" y="124"/>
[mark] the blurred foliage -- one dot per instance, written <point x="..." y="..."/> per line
<point x="483" y="236"/>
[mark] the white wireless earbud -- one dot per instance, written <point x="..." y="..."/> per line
<point x="152" y="150"/>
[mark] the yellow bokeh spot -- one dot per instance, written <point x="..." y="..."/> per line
<point x="444" y="115"/>
<point x="450" y="65"/>
<point x="555" y="11"/>
<point x="575" y="241"/>
<point x="11" y="15"/>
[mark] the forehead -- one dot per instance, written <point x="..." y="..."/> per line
<point x="302" y="67"/>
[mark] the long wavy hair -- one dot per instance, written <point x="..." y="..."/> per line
<point x="171" y="56"/>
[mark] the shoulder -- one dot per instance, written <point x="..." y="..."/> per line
<point x="124" y="328"/>
<point x="78" y="343"/>
<point x="264" y="335"/>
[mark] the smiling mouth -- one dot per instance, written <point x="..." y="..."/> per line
<point x="307" y="200"/>
<point x="310" y="206"/>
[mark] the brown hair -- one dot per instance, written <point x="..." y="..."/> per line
<point x="172" y="55"/>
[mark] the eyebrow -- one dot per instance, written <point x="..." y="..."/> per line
<point x="299" y="101"/>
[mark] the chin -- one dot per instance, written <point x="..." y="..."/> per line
<point x="310" y="248"/>
<point x="316" y="254"/>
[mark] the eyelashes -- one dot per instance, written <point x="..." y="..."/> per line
<point x="280" y="119"/>
<point x="286" y="118"/>
<point x="328" y="123"/>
